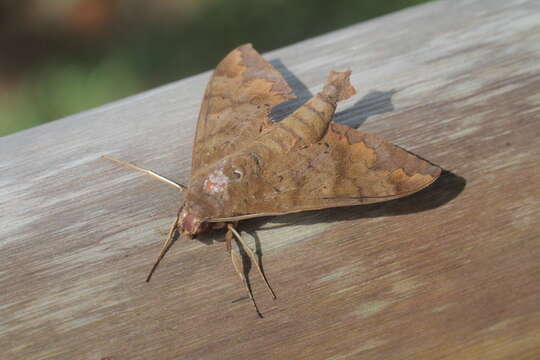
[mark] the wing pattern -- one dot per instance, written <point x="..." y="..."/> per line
<point x="346" y="167"/>
<point x="240" y="94"/>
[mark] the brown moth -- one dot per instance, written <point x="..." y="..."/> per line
<point x="246" y="166"/>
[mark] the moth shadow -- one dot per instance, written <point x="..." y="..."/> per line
<point x="373" y="103"/>
<point x="300" y="89"/>
<point x="442" y="191"/>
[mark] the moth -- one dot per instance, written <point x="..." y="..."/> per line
<point x="245" y="165"/>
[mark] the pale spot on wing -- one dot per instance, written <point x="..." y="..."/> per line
<point x="215" y="182"/>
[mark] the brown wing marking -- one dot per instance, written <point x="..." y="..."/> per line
<point x="243" y="89"/>
<point x="347" y="167"/>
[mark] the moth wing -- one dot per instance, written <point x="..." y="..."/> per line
<point x="238" y="99"/>
<point x="347" y="167"/>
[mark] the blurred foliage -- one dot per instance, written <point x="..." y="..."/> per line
<point x="62" y="57"/>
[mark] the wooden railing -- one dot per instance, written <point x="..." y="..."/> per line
<point x="449" y="273"/>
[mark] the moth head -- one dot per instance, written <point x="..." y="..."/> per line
<point x="191" y="224"/>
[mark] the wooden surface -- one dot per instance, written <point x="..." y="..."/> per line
<point x="452" y="272"/>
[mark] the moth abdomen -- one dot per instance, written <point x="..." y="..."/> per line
<point x="310" y="122"/>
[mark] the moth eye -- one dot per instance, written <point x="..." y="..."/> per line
<point x="237" y="174"/>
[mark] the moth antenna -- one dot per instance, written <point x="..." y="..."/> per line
<point x="165" y="247"/>
<point x="253" y="258"/>
<point x="180" y="187"/>
<point x="238" y="268"/>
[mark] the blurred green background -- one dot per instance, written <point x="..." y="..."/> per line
<point x="60" y="57"/>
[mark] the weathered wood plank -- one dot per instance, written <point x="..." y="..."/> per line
<point x="449" y="273"/>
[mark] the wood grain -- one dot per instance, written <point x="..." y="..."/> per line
<point x="449" y="273"/>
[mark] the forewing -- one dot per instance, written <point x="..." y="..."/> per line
<point x="243" y="89"/>
<point x="347" y="167"/>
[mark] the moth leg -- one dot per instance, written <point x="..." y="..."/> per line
<point x="148" y="172"/>
<point x="228" y="239"/>
<point x="237" y="264"/>
<point x="253" y="258"/>
<point x="165" y="247"/>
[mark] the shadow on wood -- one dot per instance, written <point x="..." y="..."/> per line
<point x="445" y="189"/>
<point x="373" y="103"/>
<point x="300" y="89"/>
